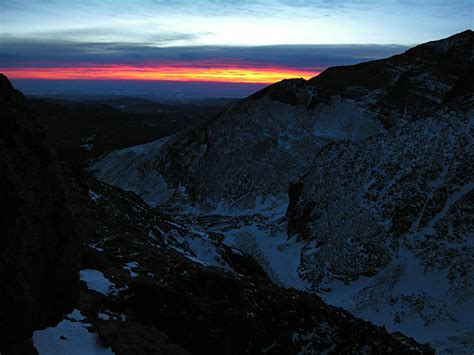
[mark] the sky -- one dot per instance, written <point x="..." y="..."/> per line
<point x="212" y="41"/>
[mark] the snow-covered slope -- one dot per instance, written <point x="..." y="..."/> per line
<point x="259" y="145"/>
<point x="132" y="169"/>
<point x="388" y="229"/>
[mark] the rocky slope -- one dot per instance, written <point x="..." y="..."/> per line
<point x="407" y="237"/>
<point x="253" y="150"/>
<point x="39" y="246"/>
<point x="378" y="157"/>
<point x="151" y="285"/>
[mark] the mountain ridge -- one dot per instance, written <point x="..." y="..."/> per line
<point x="280" y="127"/>
<point x="232" y="174"/>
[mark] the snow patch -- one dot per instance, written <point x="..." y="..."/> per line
<point x="130" y="266"/>
<point x="94" y="196"/>
<point x="87" y="146"/>
<point x="132" y="169"/>
<point x="69" y="337"/>
<point x="403" y="298"/>
<point x="96" y="281"/>
<point x="278" y="256"/>
<point x="76" y="315"/>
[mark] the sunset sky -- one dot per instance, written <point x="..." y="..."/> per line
<point x="213" y="41"/>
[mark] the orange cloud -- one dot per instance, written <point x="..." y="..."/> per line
<point x="163" y="73"/>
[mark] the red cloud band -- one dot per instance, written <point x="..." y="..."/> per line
<point x="222" y="73"/>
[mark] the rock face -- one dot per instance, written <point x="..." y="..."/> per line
<point x="254" y="149"/>
<point x="414" y="182"/>
<point x="397" y="207"/>
<point x="39" y="246"/>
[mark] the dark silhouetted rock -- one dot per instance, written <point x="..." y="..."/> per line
<point x="39" y="246"/>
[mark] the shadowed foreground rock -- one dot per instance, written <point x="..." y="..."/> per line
<point x="39" y="247"/>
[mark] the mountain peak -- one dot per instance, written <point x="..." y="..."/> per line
<point x="458" y="39"/>
<point x="288" y="91"/>
<point x="7" y="91"/>
<point x="459" y="47"/>
<point x="5" y="85"/>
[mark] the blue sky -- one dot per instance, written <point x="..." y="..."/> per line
<point x="219" y="22"/>
<point x="287" y="35"/>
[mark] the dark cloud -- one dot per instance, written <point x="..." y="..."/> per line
<point x="16" y="52"/>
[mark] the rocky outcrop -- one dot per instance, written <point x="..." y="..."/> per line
<point x="135" y="338"/>
<point x="405" y="87"/>
<point x="39" y="245"/>
<point x="404" y="184"/>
